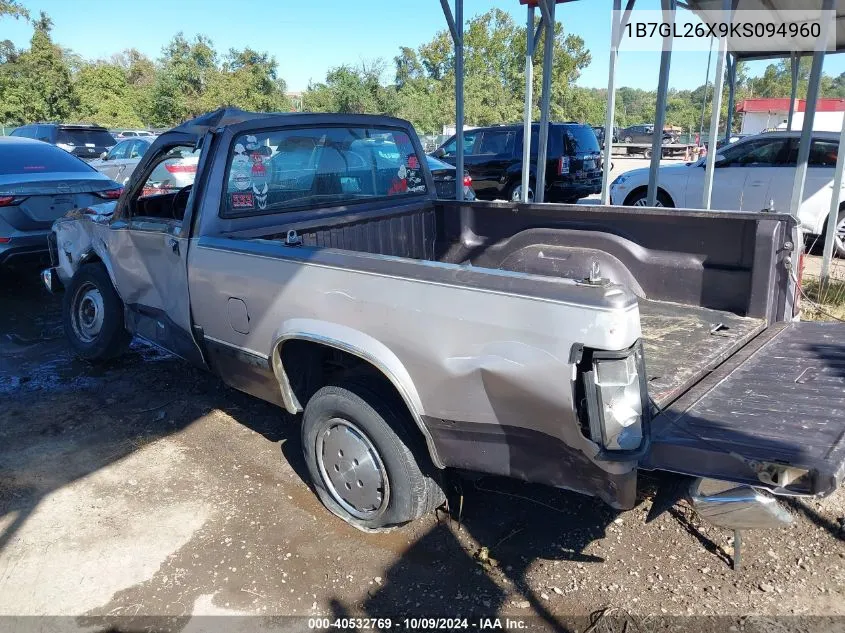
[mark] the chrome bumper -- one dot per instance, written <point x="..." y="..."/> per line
<point x="736" y="507"/>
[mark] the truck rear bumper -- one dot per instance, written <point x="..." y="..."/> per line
<point x="772" y="416"/>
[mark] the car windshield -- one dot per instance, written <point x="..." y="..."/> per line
<point x="38" y="158"/>
<point x="581" y="139"/>
<point x="84" y="136"/>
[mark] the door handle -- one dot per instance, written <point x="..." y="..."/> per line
<point x="173" y="243"/>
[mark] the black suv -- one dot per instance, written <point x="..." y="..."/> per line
<point x="493" y="158"/>
<point x="84" y="141"/>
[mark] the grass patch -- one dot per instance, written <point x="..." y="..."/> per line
<point x="829" y="296"/>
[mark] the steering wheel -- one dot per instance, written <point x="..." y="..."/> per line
<point x="184" y="192"/>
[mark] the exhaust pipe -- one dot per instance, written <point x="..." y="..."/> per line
<point x="736" y="507"/>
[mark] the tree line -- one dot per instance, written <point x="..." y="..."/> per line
<point x="46" y="82"/>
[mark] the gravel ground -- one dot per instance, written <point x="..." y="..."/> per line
<point x="147" y="488"/>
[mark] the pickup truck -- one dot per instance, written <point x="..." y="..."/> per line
<point x="567" y="345"/>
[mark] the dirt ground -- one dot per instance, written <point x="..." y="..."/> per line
<point x="147" y="488"/>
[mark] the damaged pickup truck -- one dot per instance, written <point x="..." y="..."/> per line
<point x="309" y="263"/>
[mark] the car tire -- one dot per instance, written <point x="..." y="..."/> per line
<point x="628" y="139"/>
<point x="647" y="154"/>
<point x="637" y="198"/>
<point x="512" y="193"/>
<point x="92" y="315"/>
<point x="365" y="461"/>
<point x="839" y="240"/>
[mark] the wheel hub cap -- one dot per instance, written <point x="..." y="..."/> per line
<point x="89" y="313"/>
<point x="352" y="469"/>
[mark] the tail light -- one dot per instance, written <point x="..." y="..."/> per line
<point x="10" y="201"/>
<point x="177" y="168"/>
<point x="467" y="180"/>
<point x="560" y="166"/>
<point x="109" y="194"/>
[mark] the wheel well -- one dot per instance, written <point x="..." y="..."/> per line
<point x="644" y="189"/>
<point x="309" y="366"/>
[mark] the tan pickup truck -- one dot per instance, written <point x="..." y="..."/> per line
<point x="309" y="263"/>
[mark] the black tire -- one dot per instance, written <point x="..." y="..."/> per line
<point x="839" y="240"/>
<point x="628" y="139"/>
<point x="411" y="489"/>
<point x="637" y="198"/>
<point x="111" y="339"/>
<point x="647" y="154"/>
<point x="517" y="185"/>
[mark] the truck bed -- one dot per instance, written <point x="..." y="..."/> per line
<point x="682" y="343"/>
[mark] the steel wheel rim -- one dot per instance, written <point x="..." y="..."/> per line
<point x="643" y="202"/>
<point x="352" y="469"/>
<point x="88" y="312"/>
<point x="516" y="196"/>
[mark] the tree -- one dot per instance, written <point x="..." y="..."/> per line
<point x="355" y="89"/>
<point x="13" y="8"/>
<point x="249" y="80"/>
<point x="104" y="96"/>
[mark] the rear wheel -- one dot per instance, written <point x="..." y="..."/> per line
<point x="647" y="153"/>
<point x="638" y="198"/>
<point x="92" y="315"/>
<point x="628" y="139"/>
<point x="514" y="192"/>
<point x="365" y="462"/>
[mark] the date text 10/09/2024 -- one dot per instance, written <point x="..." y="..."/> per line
<point x="418" y="624"/>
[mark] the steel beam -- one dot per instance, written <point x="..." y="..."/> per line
<point x="617" y="30"/>
<point x="668" y="7"/>
<point x="833" y="213"/>
<point x="794" y="60"/>
<point x="529" y="94"/>
<point x="716" y="105"/>
<point x="547" y="8"/>
<point x="456" y="28"/>
<point x="704" y="102"/>
<point x="809" y="116"/>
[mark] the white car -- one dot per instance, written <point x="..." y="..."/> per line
<point x="753" y="174"/>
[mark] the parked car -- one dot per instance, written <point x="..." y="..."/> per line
<point x="120" y="162"/>
<point x="753" y="174"/>
<point x="644" y="133"/>
<point x="493" y="158"/>
<point x="133" y="134"/>
<point x="38" y="184"/>
<point x="417" y="334"/>
<point x="733" y="138"/>
<point x="444" y="179"/>
<point x="599" y="130"/>
<point x="83" y="141"/>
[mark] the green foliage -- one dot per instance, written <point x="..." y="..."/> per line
<point x="104" y="96"/>
<point x="13" y="8"/>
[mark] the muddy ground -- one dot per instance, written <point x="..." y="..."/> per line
<point x="147" y="488"/>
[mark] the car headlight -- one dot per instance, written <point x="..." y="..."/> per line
<point x="617" y="399"/>
<point x="619" y="179"/>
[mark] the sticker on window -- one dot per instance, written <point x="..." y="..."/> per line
<point x="242" y="201"/>
<point x="564" y="165"/>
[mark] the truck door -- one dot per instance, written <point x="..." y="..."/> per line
<point x="149" y="247"/>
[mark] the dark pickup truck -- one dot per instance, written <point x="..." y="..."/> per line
<point x="573" y="346"/>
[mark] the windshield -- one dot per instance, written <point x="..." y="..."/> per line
<point x="434" y="163"/>
<point x="38" y="158"/>
<point x="84" y="137"/>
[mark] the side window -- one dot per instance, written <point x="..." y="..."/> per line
<point x="496" y="142"/>
<point x="278" y="170"/>
<point x="451" y="148"/>
<point x="42" y="133"/>
<point x="118" y="151"/>
<point x="823" y="153"/>
<point x="175" y="172"/>
<point x="758" y="153"/>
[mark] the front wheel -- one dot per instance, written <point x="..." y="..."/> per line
<point x="638" y="198"/>
<point x="365" y="462"/>
<point x="92" y="315"/>
<point x="514" y="192"/>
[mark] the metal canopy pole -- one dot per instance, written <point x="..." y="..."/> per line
<point x="668" y="7"/>
<point x="547" y="9"/>
<point x="617" y="30"/>
<point x="833" y="214"/>
<point x="530" y="45"/>
<point x="731" y="61"/>
<point x="456" y="28"/>
<point x="809" y="116"/>
<point x="716" y="104"/>
<point x="793" y="69"/>
<point x="704" y="102"/>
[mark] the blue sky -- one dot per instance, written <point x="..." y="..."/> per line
<point x="309" y="36"/>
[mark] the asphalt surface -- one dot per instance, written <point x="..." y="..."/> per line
<point x="146" y="488"/>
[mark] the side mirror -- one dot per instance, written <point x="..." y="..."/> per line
<point x="439" y="152"/>
<point x="103" y="155"/>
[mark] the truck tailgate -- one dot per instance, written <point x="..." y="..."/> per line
<point x="780" y="400"/>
